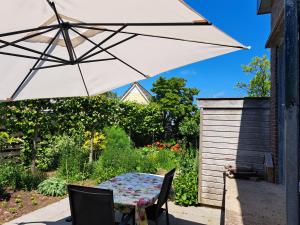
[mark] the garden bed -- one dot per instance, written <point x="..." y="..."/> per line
<point x="18" y="203"/>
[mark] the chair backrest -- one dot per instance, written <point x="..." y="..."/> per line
<point x="165" y="188"/>
<point x="92" y="206"/>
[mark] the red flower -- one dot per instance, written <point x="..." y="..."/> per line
<point x="175" y="148"/>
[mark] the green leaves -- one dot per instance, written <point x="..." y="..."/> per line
<point x="186" y="188"/>
<point x="73" y="161"/>
<point x="119" y="150"/>
<point x="175" y="100"/>
<point x="15" y="176"/>
<point x="53" y="186"/>
<point x="186" y="182"/>
<point x="260" y="85"/>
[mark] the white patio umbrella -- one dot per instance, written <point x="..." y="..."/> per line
<point x="64" y="48"/>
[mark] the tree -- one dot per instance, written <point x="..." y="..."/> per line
<point x="176" y="101"/>
<point x="142" y="122"/>
<point x="93" y="113"/>
<point x="32" y="118"/>
<point x="260" y="85"/>
<point x="189" y="129"/>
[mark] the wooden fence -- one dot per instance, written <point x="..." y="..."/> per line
<point x="233" y="132"/>
<point x="10" y="152"/>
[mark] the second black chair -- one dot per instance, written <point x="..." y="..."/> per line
<point x="92" y="206"/>
<point x="156" y="210"/>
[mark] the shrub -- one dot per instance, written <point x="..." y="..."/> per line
<point x="153" y="159"/>
<point x="186" y="188"/>
<point x="73" y="163"/>
<point x="117" y="158"/>
<point x="7" y="140"/>
<point x="101" y="173"/>
<point x="119" y="152"/>
<point x="186" y="182"/>
<point x="2" y="186"/>
<point x="17" y="177"/>
<point x="98" y="142"/>
<point x="147" y="161"/>
<point x="9" y="175"/>
<point x="47" y="154"/>
<point x="29" y="181"/>
<point x="53" y="186"/>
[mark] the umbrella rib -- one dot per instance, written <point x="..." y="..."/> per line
<point x="36" y="63"/>
<point x="51" y="66"/>
<point x="109" y="47"/>
<point x="27" y="37"/>
<point x="144" y="75"/>
<point x="195" y="23"/>
<point x="28" y="30"/>
<point x="32" y="50"/>
<point x="83" y="81"/>
<point x="64" y="64"/>
<point x="96" y="60"/>
<point x="102" y="42"/>
<point x="27" y="56"/>
<point x="80" y="71"/>
<point x="162" y="37"/>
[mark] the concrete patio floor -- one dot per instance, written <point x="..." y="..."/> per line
<point x="56" y="213"/>
<point x="254" y="203"/>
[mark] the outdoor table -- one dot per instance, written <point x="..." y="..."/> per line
<point x="134" y="191"/>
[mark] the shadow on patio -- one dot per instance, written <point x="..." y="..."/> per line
<point x="56" y="213"/>
<point x="173" y="220"/>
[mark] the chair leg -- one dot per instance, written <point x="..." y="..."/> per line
<point x="69" y="219"/>
<point x="133" y="218"/>
<point x="167" y="214"/>
<point x="123" y="216"/>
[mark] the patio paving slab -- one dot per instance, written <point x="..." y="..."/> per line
<point x="56" y="213"/>
<point x="254" y="203"/>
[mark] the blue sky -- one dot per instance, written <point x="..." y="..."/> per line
<point x="217" y="77"/>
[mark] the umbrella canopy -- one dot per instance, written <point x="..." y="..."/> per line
<point x="65" y="48"/>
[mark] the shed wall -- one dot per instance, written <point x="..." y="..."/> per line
<point x="232" y="132"/>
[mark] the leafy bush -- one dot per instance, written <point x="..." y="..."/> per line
<point x="29" y="181"/>
<point x="73" y="163"/>
<point x="186" y="182"/>
<point x="117" y="158"/>
<point x="101" y="173"/>
<point x="186" y="188"/>
<point x="7" y="140"/>
<point x="17" y="177"/>
<point x="2" y="185"/>
<point x="119" y="152"/>
<point x="47" y="154"/>
<point x="53" y="186"/>
<point x="153" y="159"/>
<point x="146" y="160"/>
<point x="98" y="142"/>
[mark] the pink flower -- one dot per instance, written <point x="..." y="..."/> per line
<point x="143" y="202"/>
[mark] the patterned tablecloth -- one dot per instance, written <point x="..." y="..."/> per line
<point x="134" y="190"/>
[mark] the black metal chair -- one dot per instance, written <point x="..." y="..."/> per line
<point x="156" y="210"/>
<point x="92" y="206"/>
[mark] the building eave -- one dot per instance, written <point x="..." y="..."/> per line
<point x="264" y="6"/>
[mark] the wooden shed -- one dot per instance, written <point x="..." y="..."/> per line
<point x="233" y="131"/>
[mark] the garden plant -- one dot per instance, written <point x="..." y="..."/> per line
<point x="90" y="140"/>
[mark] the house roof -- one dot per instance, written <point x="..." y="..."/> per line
<point x="141" y="89"/>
